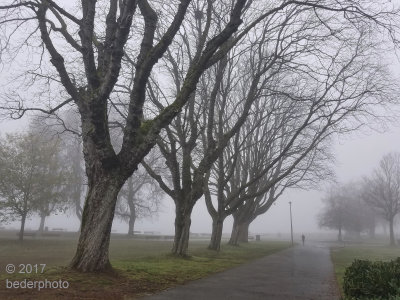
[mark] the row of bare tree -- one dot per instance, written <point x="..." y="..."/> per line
<point x="358" y="207"/>
<point x="239" y="96"/>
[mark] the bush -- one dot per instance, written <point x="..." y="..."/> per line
<point x="364" y="279"/>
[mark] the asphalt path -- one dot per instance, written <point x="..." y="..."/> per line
<point x="301" y="272"/>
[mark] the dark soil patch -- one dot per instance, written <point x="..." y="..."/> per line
<point x="82" y="286"/>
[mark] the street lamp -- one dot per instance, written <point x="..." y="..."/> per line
<point x="291" y="224"/>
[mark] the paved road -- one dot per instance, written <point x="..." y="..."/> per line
<point x="302" y="272"/>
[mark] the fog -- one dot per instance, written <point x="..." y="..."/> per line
<point x="356" y="155"/>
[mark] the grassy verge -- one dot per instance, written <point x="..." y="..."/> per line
<point x="343" y="257"/>
<point x="141" y="267"/>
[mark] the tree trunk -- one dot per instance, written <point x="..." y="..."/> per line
<point x="240" y="233"/>
<point x="42" y="220"/>
<point x="182" y="229"/>
<point x="98" y="213"/>
<point x="22" y="229"/>
<point x="131" y="224"/>
<point x="132" y="207"/>
<point x="391" y="231"/>
<point x="234" y="239"/>
<point x="216" y="235"/>
<point x="243" y="232"/>
<point x="78" y="210"/>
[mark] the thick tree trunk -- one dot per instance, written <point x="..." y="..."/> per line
<point x="240" y="233"/>
<point x="42" y="220"/>
<point x="216" y="234"/>
<point x="98" y="213"/>
<point x="182" y="229"/>
<point x="391" y="231"/>
<point x="243" y="232"/>
<point x="234" y="239"/>
<point x="22" y="228"/>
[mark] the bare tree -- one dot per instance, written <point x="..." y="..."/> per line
<point x="139" y="198"/>
<point x="382" y="190"/>
<point x="303" y="107"/>
<point x="96" y="55"/>
<point x="345" y="210"/>
<point x="78" y="58"/>
<point x="188" y="160"/>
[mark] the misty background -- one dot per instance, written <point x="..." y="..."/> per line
<point x="356" y="155"/>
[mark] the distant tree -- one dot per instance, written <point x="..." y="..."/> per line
<point x="54" y="180"/>
<point x="333" y="214"/>
<point x="76" y="183"/>
<point x="139" y="198"/>
<point x="30" y="178"/>
<point x="382" y="190"/>
<point x="67" y="131"/>
<point x="345" y="210"/>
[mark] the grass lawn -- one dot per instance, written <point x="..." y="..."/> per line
<point x="141" y="266"/>
<point x="343" y="257"/>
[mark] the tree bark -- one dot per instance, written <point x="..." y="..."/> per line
<point x="243" y="236"/>
<point x="216" y="234"/>
<point x="391" y="231"/>
<point x="240" y="232"/>
<point x="22" y="229"/>
<point x="182" y="228"/>
<point x="42" y="220"/>
<point x="234" y="239"/>
<point x="92" y="252"/>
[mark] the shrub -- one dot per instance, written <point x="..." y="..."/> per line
<point x="364" y="279"/>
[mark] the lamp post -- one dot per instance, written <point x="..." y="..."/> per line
<point x="291" y="224"/>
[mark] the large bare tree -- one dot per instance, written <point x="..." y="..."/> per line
<point x="76" y="56"/>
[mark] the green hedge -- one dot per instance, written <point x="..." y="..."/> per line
<point x="364" y="279"/>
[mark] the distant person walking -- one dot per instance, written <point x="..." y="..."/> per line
<point x="303" y="238"/>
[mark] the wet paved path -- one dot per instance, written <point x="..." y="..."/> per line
<point x="302" y="272"/>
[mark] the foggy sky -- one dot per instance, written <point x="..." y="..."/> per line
<point x="356" y="154"/>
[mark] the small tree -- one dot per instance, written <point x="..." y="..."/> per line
<point x="139" y="198"/>
<point x="29" y="179"/>
<point x="382" y="189"/>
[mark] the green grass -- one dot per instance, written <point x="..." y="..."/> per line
<point x="141" y="266"/>
<point x="202" y="262"/>
<point x="343" y="257"/>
